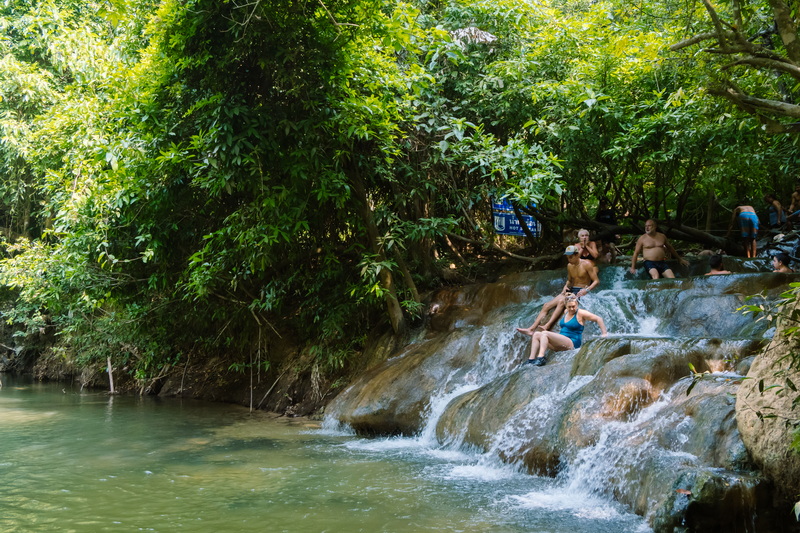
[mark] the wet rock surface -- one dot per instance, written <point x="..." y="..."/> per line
<point x="764" y="404"/>
<point x="613" y="416"/>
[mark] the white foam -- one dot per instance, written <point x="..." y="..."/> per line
<point x="648" y="326"/>
<point x="332" y="427"/>
<point x="482" y="472"/>
<point x="577" y="503"/>
<point x="447" y="454"/>
<point x="383" y="445"/>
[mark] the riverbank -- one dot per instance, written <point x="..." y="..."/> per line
<point x="545" y="420"/>
<point x="280" y="375"/>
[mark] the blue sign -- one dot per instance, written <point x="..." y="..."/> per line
<point x="507" y="223"/>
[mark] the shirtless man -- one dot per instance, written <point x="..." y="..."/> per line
<point x="794" y="207"/>
<point x="654" y="247"/>
<point x="715" y="263"/>
<point x="581" y="278"/>
<point x="747" y="219"/>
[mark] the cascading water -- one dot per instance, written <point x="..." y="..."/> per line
<point x="610" y="421"/>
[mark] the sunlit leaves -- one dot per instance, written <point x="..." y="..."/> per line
<point x="245" y="160"/>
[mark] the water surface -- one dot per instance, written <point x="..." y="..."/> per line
<point x="78" y="461"/>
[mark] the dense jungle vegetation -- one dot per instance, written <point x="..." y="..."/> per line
<point x="190" y="178"/>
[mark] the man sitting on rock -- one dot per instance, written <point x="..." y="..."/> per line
<point x="581" y="278"/>
<point x="654" y="247"/>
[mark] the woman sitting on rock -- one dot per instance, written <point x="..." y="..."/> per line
<point x="570" y="337"/>
<point x="587" y="249"/>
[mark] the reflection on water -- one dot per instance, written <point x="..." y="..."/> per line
<point x="84" y="462"/>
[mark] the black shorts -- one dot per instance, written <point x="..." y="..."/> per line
<point x="661" y="266"/>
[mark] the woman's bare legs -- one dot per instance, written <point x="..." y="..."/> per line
<point x="542" y="340"/>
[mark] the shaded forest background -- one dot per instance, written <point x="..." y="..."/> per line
<point x="205" y="180"/>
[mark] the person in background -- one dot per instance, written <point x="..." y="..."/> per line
<point x="581" y="278"/>
<point x="605" y="213"/>
<point x="654" y="247"/>
<point x="606" y="238"/>
<point x="780" y="263"/>
<point x="777" y="216"/>
<point x="715" y="263"/>
<point x="587" y="249"/>
<point x="607" y="246"/>
<point x="794" y="206"/>
<point x="747" y="219"/>
<point x="571" y="335"/>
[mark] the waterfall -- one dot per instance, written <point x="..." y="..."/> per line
<point x="427" y="436"/>
<point x="609" y="420"/>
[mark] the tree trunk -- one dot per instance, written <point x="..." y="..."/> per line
<point x="787" y="29"/>
<point x="528" y="234"/>
<point x="409" y="281"/>
<point x="709" y="209"/>
<point x="393" y="308"/>
<point x="110" y="377"/>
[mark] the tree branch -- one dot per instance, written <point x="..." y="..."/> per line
<point x="749" y="103"/>
<point x="493" y="246"/>
<point x="699" y="38"/>
<point x="720" y="33"/>
<point x="732" y="41"/>
<point x="763" y="62"/>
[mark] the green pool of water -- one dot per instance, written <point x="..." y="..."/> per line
<point x="78" y="461"/>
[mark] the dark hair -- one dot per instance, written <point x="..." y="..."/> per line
<point x="783" y="257"/>
<point x="715" y="261"/>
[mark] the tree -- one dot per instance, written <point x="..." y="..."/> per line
<point x="310" y="169"/>
<point x="760" y="43"/>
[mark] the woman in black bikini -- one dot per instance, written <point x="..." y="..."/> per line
<point x="588" y="249"/>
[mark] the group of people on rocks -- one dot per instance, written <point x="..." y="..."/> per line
<point x="582" y="278"/>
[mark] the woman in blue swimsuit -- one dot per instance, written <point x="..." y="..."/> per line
<point x="571" y="335"/>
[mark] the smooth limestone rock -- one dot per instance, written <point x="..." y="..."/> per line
<point x="613" y="417"/>
<point x="768" y="439"/>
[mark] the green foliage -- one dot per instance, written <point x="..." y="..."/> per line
<point x="187" y="172"/>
